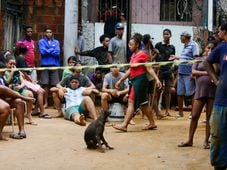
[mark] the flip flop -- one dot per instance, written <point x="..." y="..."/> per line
<point x="35" y="113"/>
<point x="150" y="127"/>
<point x="31" y="123"/>
<point x="182" y="144"/>
<point x="120" y="128"/>
<point x="45" y="116"/>
<point x="206" y="146"/>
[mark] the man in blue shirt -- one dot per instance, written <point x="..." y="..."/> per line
<point x="185" y="83"/>
<point x="49" y="49"/>
<point x="218" y="120"/>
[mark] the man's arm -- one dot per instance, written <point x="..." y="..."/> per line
<point x="56" y="49"/>
<point x="89" y="53"/>
<point x="110" y="57"/>
<point x="153" y="74"/>
<point x="89" y="91"/>
<point x="43" y="50"/>
<point x="125" y="91"/>
<point x="105" y="89"/>
<point x="62" y="83"/>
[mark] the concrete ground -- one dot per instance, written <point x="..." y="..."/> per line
<point x="58" y="144"/>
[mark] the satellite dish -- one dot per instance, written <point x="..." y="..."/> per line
<point x="223" y="5"/>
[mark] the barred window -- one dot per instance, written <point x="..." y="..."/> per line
<point x="176" y="10"/>
<point x="115" y="8"/>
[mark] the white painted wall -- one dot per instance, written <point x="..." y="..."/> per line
<point x="154" y="30"/>
<point x="70" y="29"/>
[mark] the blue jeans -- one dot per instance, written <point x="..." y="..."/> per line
<point x="218" y="125"/>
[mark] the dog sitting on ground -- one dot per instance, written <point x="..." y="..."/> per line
<point x="93" y="135"/>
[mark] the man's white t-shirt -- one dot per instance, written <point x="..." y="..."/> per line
<point x="73" y="97"/>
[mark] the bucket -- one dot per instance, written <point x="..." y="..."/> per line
<point x="117" y="112"/>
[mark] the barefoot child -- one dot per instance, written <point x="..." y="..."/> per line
<point x="78" y="103"/>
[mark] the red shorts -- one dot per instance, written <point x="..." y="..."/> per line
<point x="132" y="94"/>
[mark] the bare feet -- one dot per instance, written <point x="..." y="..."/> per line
<point x="58" y="115"/>
<point x="120" y="127"/>
<point x="82" y="121"/>
<point x="45" y="105"/>
<point x="132" y="122"/>
<point x="150" y="127"/>
<point x="2" y="138"/>
<point x="29" y="117"/>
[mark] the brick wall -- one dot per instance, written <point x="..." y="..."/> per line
<point x="40" y="14"/>
<point x="45" y="13"/>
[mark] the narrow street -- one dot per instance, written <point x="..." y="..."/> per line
<point x="58" y="144"/>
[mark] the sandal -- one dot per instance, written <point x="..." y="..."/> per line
<point x="15" y="136"/>
<point x="45" y="116"/>
<point x="184" y="144"/>
<point x="22" y="134"/>
<point x="150" y="127"/>
<point x="35" y="113"/>
<point x="31" y="123"/>
<point x="120" y="128"/>
<point x="206" y="146"/>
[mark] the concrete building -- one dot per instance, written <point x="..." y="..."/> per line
<point x="147" y="16"/>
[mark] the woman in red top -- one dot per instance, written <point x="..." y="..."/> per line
<point x="138" y="97"/>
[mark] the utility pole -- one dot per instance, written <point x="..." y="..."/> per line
<point x="210" y="15"/>
<point x="70" y="28"/>
<point x="129" y="24"/>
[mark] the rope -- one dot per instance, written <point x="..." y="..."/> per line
<point x="155" y="64"/>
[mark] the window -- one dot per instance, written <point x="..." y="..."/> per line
<point x="115" y="8"/>
<point x="176" y="10"/>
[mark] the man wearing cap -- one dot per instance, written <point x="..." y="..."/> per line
<point x="117" y="46"/>
<point x="185" y="83"/>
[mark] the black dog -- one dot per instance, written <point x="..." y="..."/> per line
<point x="93" y="135"/>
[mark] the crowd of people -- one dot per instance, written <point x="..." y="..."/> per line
<point x="140" y="88"/>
